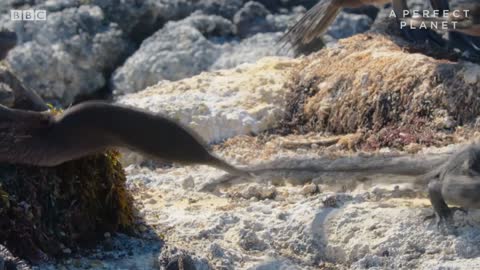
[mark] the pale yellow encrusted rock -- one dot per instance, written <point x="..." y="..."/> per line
<point x="221" y="104"/>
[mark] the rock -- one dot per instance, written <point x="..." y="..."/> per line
<point x="178" y="50"/>
<point x="248" y="240"/>
<point x="310" y="189"/>
<point x="413" y="148"/>
<point x="139" y="19"/>
<point x="188" y="183"/>
<point x="222" y="104"/>
<point x="279" y="5"/>
<point x="10" y="262"/>
<point x="257" y="192"/>
<point x="369" y="10"/>
<point x="248" y="50"/>
<point x="336" y="200"/>
<point x="69" y="53"/>
<point x="6" y="95"/>
<point x="210" y="25"/>
<point x="346" y="25"/>
<point x="251" y="19"/>
<point x="224" y="8"/>
<point x="172" y="258"/>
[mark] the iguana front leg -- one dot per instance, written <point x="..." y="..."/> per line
<point x="442" y="211"/>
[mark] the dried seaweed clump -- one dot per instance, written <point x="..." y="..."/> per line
<point x="50" y="212"/>
<point x="370" y="85"/>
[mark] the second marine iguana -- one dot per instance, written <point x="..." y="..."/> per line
<point x="317" y="20"/>
<point x="448" y="177"/>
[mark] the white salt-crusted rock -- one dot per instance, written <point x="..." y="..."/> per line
<point x="222" y="104"/>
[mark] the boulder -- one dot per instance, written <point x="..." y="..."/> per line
<point x="69" y="54"/>
<point x="178" y="50"/>
<point x="251" y="19"/>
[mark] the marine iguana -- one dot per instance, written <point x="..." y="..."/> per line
<point x="37" y="137"/>
<point x="44" y="139"/>
<point x="316" y="21"/>
<point x="30" y="135"/>
<point x="466" y="39"/>
<point x="448" y="177"/>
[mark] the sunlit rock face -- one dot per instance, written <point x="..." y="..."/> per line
<point x="218" y="105"/>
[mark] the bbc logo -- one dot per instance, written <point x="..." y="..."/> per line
<point x="28" y="15"/>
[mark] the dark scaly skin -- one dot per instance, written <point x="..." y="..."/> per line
<point x="457" y="182"/>
<point x="317" y="20"/>
<point x="41" y="139"/>
<point x="453" y="178"/>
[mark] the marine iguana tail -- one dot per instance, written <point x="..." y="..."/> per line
<point x="404" y="165"/>
<point x="449" y="177"/>
<point x="42" y="139"/>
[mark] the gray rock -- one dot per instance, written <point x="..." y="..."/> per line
<point x="10" y="262"/>
<point x="173" y="259"/>
<point x="252" y="19"/>
<point x="278" y="5"/>
<point x="178" y="50"/>
<point x="347" y="25"/>
<point x="224" y="8"/>
<point x="210" y="26"/>
<point x="139" y="19"/>
<point x="68" y="54"/>
<point x="248" y="50"/>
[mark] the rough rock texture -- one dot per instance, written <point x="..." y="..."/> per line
<point x="222" y="104"/>
<point x="187" y="47"/>
<point x="68" y="54"/>
<point x="172" y="259"/>
<point x="178" y="50"/>
<point x="236" y="53"/>
<point x="251" y="19"/>
<point x="342" y="226"/>
<point x="50" y="212"/>
<point x="346" y="25"/>
<point x="72" y="55"/>
<point x="10" y="262"/>
<point x="369" y="84"/>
